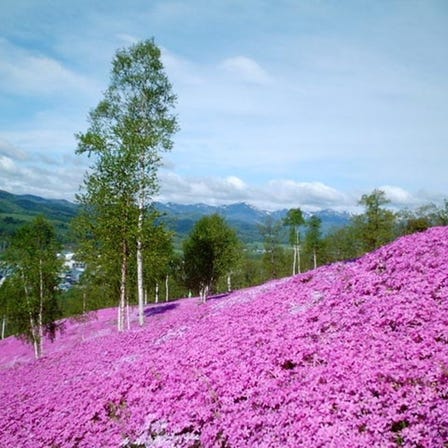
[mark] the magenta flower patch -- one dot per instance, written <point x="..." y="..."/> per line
<point x="350" y="355"/>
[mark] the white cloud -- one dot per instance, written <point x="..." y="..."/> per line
<point x="7" y="165"/>
<point x="245" y="69"/>
<point x="10" y="150"/>
<point x="273" y="195"/>
<point x="236" y="182"/>
<point x="276" y="194"/>
<point x="28" y="73"/>
<point x="307" y="195"/>
<point x="398" y="196"/>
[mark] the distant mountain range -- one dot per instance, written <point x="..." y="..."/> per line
<point x="243" y="217"/>
<point x="15" y="210"/>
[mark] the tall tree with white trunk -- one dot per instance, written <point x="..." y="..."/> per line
<point x="294" y="219"/>
<point x="129" y="129"/>
<point x="32" y="286"/>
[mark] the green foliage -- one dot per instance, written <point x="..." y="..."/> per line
<point x="274" y="257"/>
<point x="29" y="294"/>
<point x="376" y="226"/>
<point x="17" y="210"/>
<point x="313" y="243"/>
<point x="129" y="129"/>
<point x="341" y="244"/>
<point x="211" y="251"/>
<point x="294" y="219"/>
<point x="158" y="252"/>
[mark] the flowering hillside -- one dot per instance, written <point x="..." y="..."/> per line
<point x="350" y="355"/>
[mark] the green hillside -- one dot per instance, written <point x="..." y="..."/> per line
<point x="16" y="210"/>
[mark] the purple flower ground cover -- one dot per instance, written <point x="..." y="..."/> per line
<point x="349" y="355"/>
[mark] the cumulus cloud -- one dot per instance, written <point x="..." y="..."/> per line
<point x="275" y="194"/>
<point x="213" y="191"/>
<point x="236" y="182"/>
<point x="307" y="195"/>
<point x="398" y="195"/>
<point x="245" y="69"/>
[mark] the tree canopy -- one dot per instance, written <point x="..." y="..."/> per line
<point x="211" y="251"/>
<point x="129" y="129"/>
<point x="29" y="294"/>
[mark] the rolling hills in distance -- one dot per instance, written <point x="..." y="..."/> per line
<point x="15" y="210"/>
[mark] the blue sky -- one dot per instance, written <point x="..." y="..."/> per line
<point x="281" y="103"/>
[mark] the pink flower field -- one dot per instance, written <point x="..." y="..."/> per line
<point x="352" y="354"/>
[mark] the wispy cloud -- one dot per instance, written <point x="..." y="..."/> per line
<point x="245" y="69"/>
<point x="278" y="104"/>
<point x="28" y="73"/>
<point x="9" y="150"/>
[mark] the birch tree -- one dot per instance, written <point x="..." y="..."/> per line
<point x="32" y="287"/>
<point x="129" y="129"/>
<point x="273" y="256"/>
<point x="294" y="219"/>
<point x="313" y="237"/>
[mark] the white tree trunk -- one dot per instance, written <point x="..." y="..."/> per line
<point x="315" y="258"/>
<point x="34" y="333"/>
<point x="124" y="274"/>
<point x="3" y="327"/>
<point x="203" y="293"/>
<point x="157" y="293"/>
<point x="294" y="260"/>
<point x="128" y="314"/>
<point x="167" y="294"/>
<point x="140" y="289"/>
<point x="229" y="282"/>
<point x="40" y="328"/>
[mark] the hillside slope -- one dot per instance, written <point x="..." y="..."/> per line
<point x="350" y="355"/>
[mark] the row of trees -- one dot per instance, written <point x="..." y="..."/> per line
<point x="212" y="260"/>
<point x="121" y="240"/>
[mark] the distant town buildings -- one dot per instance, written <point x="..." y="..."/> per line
<point x="72" y="271"/>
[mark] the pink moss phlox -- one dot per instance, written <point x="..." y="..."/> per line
<point x="349" y="355"/>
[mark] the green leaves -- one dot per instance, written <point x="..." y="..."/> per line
<point x="376" y="225"/>
<point x="129" y="129"/>
<point x="211" y="251"/>
<point x="32" y="306"/>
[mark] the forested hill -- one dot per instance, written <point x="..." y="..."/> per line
<point x="15" y="210"/>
